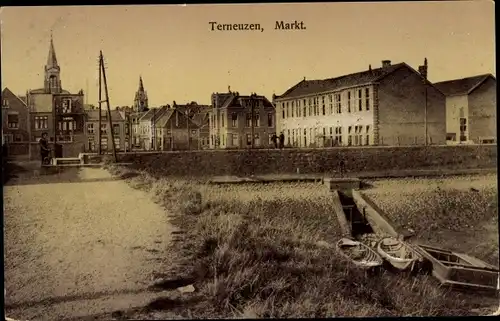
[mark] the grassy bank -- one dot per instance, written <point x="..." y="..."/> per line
<point x="459" y="213"/>
<point x="265" y="251"/>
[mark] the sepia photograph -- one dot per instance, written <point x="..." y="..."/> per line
<point x="264" y="160"/>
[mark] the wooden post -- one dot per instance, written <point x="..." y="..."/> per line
<point x="99" y="125"/>
<point x="109" y="108"/>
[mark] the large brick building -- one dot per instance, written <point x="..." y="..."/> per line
<point x="470" y="109"/>
<point x="391" y="105"/>
<point x="232" y="124"/>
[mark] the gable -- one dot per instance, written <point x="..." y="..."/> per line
<point x="14" y="103"/>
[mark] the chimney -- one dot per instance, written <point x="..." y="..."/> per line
<point x="229" y="89"/>
<point x="386" y="63"/>
<point x="369" y="67"/>
<point x="423" y="69"/>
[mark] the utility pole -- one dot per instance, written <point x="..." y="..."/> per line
<point x="425" y="113"/>
<point x="187" y="124"/>
<point x="109" y="108"/>
<point x="154" y="129"/>
<point x="252" y="105"/>
<point x="99" y="124"/>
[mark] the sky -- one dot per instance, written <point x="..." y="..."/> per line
<point x="180" y="59"/>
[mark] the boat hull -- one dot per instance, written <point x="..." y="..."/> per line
<point x="359" y="254"/>
<point x="398" y="253"/>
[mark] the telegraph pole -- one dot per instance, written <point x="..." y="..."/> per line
<point x="252" y="105"/>
<point x="109" y="108"/>
<point x="187" y="124"/>
<point x="99" y="125"/>
<point x="154" y="129"/>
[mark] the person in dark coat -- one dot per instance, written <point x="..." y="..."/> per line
<point x="274" y="139"/>
<point x="44" y="147"/>
<point x="282" y="140"/>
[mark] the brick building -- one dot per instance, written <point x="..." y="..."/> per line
<point x="175" y="131"/>
<point x="57" y="111"/>
<point x="14" y="118"/>
<point x="232" y="123"/>
<point x="390" y="105"/>
<point x="119" y="131"/>
<point x="470" y="109"/>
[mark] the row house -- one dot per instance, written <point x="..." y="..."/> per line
<point x="145" y="128"/>
<point x="390" y="105"/>
<point x="119" y="131"/>
<point x="174" y="130"/>
<point x="241" y="121"/>
<point x="14" y="118"/>
<point x="470" y="109"/>
<point x="199" y="114"/>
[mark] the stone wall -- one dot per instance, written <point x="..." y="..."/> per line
<point x="326" y="160"/>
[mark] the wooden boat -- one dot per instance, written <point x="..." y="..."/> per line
<point x="359" y="253"/>
<point x="398" y="253"/>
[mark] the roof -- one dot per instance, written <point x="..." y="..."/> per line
<point x="51" y="59"/>
<point x="153" y="112"/>
<point x="163" y="120"/>
<point x="93" y="114"/>
<point x="234" y="99"/>
<point x="308" y="87"/>
<point x="9" y="92"/>
<point x="462" y="86"/>
<point x="201" y="118"/>
<point x="43" y="91"/>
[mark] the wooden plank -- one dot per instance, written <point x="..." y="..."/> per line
<point x="378" y="221"/>
<point x="345" y="226"/>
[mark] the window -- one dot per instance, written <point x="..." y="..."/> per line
<point x="358" y="135"/>
<point x="257" y="120"/>
<point x="222" y="117"/>
<point x="270" y="120"/>
<point x="367" y="137"/>
<point x="90" y="128"/>
<point x="367" y="98"/>
<point x="104" y="129"/>
<point x="349" y="136"/>
<point x="338" y="135"/>
<point x="338" y="106"/>
<point x="13" y="121"/>
<point x="249" y="120"/>
<point x="360" y="100"/>
<point x="348" y="101"/>
<point x="117" y="142"/>
<point x="287" y="111"/>
<point x="18" y="138"/>
<point x="288" y="137"/>
<point x="304" y="109"/>
<point x="116" y="129"/>
<point x="297" y="112"/>
<point x="293" y="109"/>
<point x="305" y="137"/>
<point x="283" y="110"/>
<point x="234" y="120"/>
<point x="249" y="139"/>
<point x="330" y="100"/>
<point x="256" y="140"/>
<point x="104" y="143"/>
<point x="235" y="141"/>
<point x="223" y="140"/>
<point x="41" y="122"/>
<point x="91" y="144"/>
<point x="5" y="103"/>
<point x="66" y="106"/>
<point x="323" y="104"/>
<point x="463" y="125"/>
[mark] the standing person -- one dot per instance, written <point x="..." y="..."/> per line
<point x="282" y="140"/>
<point x="274" y="139"/>
<point x="44" y="147"/>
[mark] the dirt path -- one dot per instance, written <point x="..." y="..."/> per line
<point x="79" y="243"/>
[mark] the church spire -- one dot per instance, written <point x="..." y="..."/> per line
<point x="52" y="83"/>
<point x="141" y="86"/>
<point x="52" y="59"/>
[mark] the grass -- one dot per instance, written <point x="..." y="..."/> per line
<point x="259" y="251"/>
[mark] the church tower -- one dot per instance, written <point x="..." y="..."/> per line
<point x="52" y="83"/>
<point x="141" y="98"/>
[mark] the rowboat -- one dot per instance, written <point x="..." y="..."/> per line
<point x="398" y="253"/>
<point x="359" y="253"/>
